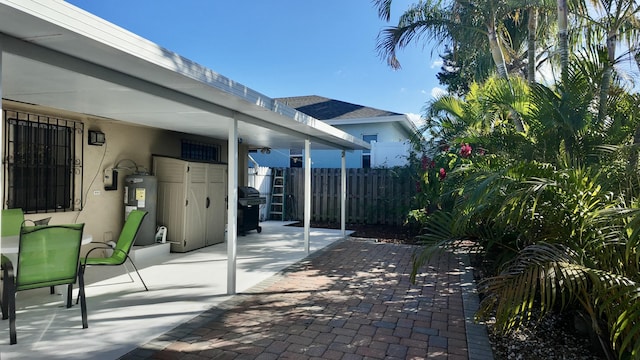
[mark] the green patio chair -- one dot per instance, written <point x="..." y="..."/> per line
<point x="120" y="252"/>
<point x="12" y="220"/>
<point x="48" y="256"/>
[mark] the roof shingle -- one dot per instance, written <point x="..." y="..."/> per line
<point x="323" y="108"/>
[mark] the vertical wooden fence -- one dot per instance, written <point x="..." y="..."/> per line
<point x="374" y="196"/>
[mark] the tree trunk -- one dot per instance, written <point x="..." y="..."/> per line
<point x="532" y="29"/>
<point x="498" y="59"/>
<point x="606" y="76"/>
<point x="633" y="156"/>
<point x="563" y="39"/>
<point x="496" y="50"/>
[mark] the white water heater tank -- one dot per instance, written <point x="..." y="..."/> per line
<point x="141" y="193"/>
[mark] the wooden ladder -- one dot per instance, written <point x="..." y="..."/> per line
<point x="277" y="210"/>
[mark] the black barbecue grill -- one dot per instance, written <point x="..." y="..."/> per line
<point x="249" y="201"/>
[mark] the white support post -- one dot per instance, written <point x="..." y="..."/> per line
<point x="232" y="208"/>
<point x="307" y="194"/>
<point x="343" y="196"/>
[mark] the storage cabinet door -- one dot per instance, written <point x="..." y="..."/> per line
<point x="216" y="211"/>
<point x="171" y="206"/>
<point x="172" y="197"/>
<point x="195" y="226"/>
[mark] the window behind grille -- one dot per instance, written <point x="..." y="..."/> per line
<point x="43" y="163"/>
<point x="197" y="151"/>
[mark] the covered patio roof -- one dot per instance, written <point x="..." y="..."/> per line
<point x="57" y="55"/>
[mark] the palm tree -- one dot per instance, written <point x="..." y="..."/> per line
<point x="466" y="21"/>
<point x="562" y="222"/>
<point x="537" y="14"/>
<point x="611" y="22"/>
<point x="459" y="21"/>
<point x="563" y="37"/>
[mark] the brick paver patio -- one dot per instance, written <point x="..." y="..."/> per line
<point x="352" y="300"/>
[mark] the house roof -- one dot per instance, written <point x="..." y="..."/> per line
<point x="323" y="108"/>
<point x="60" y="56"/>
<point x="336" y="112"/>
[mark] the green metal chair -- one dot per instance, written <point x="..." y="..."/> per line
<point x="48" y="256"/>
<point x="123" y="246"/>
<point x="12" y="220"/>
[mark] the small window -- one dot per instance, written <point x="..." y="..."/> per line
<point x="197" y="151"/>
<point x="43" y="167"/>
<point x="366" y="154"/>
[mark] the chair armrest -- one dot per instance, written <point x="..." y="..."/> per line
<point x="6" y="265"/>
<point x="97" y="246"/>
<point x="100" y="247"/>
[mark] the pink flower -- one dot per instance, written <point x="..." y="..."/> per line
<point x="465" y="150"/>
<point x="443" y="173"/>
<point x="425" y="162"/>
<point x="418" y="187"/>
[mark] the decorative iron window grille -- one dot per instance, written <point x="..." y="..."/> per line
<point x="42" y="163"/>
<point x="193" y="150"/>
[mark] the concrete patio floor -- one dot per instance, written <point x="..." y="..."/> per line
<point x="122" y="316"/>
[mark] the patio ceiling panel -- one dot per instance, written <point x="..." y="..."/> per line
<point x="60" y="56"/>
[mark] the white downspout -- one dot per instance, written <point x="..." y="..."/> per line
<point x="307" y="193"/>
<point x="232" y="208"/>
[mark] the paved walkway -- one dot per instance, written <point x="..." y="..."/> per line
<point x="351" y="300"/>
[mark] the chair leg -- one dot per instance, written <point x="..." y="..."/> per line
<point x="126" y="268"/>
<point x="82" y="297"/>
<point x="81" y="270"/>
<point x="6" y="271"/>
<point x="69" y="295"/>
<point x="5" y="292"/>
<point x="137" y="272"/>
<point x="10" y="298"/>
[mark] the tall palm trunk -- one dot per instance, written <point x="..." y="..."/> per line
<point x="606" y="76"/>
<point x="501" y="66"/>
<point x="563" y="39"/>
<point x="633" y="156"/>
<point x="532" y="31"/>
<point x="496" y="49"/>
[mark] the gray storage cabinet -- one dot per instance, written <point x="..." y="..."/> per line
<point x="191" y="202"/>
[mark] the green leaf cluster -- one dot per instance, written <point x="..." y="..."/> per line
<point x="553" y="210"/>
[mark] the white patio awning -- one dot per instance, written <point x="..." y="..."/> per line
<point x="57" y="55"/>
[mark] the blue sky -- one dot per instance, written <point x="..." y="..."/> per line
<point x="285" y="47"/>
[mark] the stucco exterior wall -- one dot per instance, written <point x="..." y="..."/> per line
<point x="390" y="133"/>
<point x="103" y="211"/>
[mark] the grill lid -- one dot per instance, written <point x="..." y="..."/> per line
<point x="247" y="192"/>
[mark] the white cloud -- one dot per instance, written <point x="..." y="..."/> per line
<point x="436" y="64"/>
<point x="436" y="92"/>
